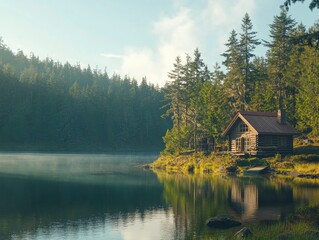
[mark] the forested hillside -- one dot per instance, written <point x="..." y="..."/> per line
<point x="49" y="105"/>
<point x="201" y="101"/>
<point x="45" y="104"/>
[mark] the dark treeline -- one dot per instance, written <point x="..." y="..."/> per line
<point x="201" y="102"/>
<point x="48" y="105"/>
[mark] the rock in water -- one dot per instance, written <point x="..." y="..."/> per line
<point x="222" y="222"/>
<point x="243" y="233"/>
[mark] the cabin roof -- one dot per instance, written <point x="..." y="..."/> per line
<point x="262" y="123"/>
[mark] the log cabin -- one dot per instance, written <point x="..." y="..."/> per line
<point x="260" y="133"/>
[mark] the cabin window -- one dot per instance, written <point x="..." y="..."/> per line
<point x="238" y="144"/>
<point x="282" y="140"/>
<point x="267" y="140"/>
<point x="243" y="127"/>
<point x="242" y="144"/>
<point x="246" y="144"/>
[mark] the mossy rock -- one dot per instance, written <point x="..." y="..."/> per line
<point x="222" y="222"/>
<point x="231" y="169"/>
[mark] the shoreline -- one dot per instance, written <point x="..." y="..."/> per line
<point x="302" y="164"/>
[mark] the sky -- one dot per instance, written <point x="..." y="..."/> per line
<point x="138" y="38"/>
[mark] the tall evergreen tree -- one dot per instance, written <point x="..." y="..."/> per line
<point x="278" y="55"/>
<point x="308" y="92"/>
<point x="248" y="43"/>
<point x="186" y="103"/>
<point x="174" y="94"/>
<point x="234" y="80"/>
<point x="263" y="97"/>
<point x="216" y="112"/>
<point x="293" y="73"/>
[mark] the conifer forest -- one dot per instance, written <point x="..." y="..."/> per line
<point x="46" y="104"/>
<point x="201" y="101"/>
<point x="53" y="106"/>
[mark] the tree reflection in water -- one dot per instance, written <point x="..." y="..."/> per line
<point x="45" y="196"/>
<point x="194" y="199"/>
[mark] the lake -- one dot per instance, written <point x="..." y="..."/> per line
<point x="109" y="196"/>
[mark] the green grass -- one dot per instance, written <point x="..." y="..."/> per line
<point x="305" y="163"/>
<point x="199" y="163"/>
<point x="196" y="163"/>
<point x="302" y="225"/>
<point x="281" y="230"/>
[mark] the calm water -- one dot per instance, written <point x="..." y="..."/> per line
<point x="66" y="196"/>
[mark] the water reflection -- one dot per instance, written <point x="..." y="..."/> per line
<point x="77" y="197"/>
<point x="245" y="200"/>
<point x="265" y="199"/>
<point x="45" y="196"/>
<point x="250" y="200"/>
<point x="159" y="224"/>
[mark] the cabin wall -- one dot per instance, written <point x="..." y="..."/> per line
<point x="235" y="133"/>
<point x="244" y="140"/>
<point x="273" y="144"/>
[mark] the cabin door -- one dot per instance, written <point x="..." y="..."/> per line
<point x="242" y="144"/>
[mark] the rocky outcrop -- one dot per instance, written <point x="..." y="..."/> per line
<point x="222" y="222"/>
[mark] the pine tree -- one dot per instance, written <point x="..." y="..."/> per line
<point x="216" y="112"/>
<point x="293" y="73"/>
<point x="185" y="103"/>
<point x="308" y="92"/>
<point x="174" y="94"/>
<point x="234" y="80"/>
<point x="248" y="43"/>
<point x="278" y="55"/>
<point x="263" y="98"/>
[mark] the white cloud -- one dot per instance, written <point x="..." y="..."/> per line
<point x="243" y="6"/>
<point x="175" y="37"/>
<point x="215" y="13"/>
<point x="221" y="13"/>
<point x="207" y="28"/>
<point x="139" y="63"/>
<point x="111" y="55"/>
<point x="222" y="16"/>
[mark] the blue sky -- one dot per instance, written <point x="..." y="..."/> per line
<point x="134" y="37"/>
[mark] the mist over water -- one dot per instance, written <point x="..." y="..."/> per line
<point x="108" y="196"/>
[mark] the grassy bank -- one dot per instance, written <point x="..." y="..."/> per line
<point x="304" y="163"/>
<point x="302" y="225"/>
